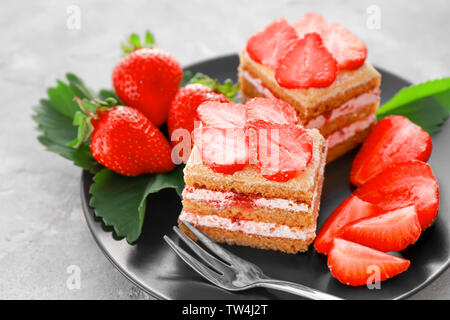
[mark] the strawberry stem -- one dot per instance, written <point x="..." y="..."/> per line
<point x="83" y="118"/>
<point x="228" y="88"/>
<point x="134" y="43"/>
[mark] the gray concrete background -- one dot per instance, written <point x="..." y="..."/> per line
<point x="42" y="230"/>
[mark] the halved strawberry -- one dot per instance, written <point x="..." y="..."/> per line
<point x="407" y="183"/>
<point x="351" y="209"/>
<point x="391" y="231"/>
<point x="284" y="151"/>
<point x="393" y="140"/>
<point x="349" y="51"/>
<point x="311" y="22"/>
<point x="308" y="64"/>
<point x="224" y="150"/>
<point x="353" y="264"/>
<point x="268" y="46"/>
<point x="222" y="115"/>
<point x="271" y="110"/>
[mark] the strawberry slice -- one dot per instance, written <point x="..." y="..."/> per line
<point x="271" y="110"/>
<point x="393" y="140"/>
<point x="408" y="183"/>
<point x="311" y="22"/>
<point x="222" y="115"/>
<point x="308" y="64"/>
<point x="268" y="46"/>
<point x="391" y="231"/>
<point x="351" y="209"/>
<point x="353" y="264"/>
<point x="222" y="149"/>
<point x="284" y="151"/>
<point x="349" y="51"/>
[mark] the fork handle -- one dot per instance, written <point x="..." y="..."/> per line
<point x="296" y="289"/>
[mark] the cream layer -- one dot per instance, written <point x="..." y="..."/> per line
<point x="251" y="227"/>
<point x="350" y="107"/>
<point x="343" y="134"/>
<point x="221" y="200"/>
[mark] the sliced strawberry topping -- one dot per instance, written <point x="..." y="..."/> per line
<point x="393" y="140"/>
<point x="222" y="149"/>
<point x="311" y="22"/>
<point x="222" y="115"/>
<point x="408" y="183"/>
<point x="391" y="231"/>
<point x="284" y="151"/>
<point x="349" y="51"/>
<point x="271" y="110"/>
<point x="268" y="46"/>
<point x="351" y="209"/>
<point x="308" y="64"/>
<point x="356" y="265"/>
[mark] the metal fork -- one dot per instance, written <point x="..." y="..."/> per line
<point x="234" y="273"/>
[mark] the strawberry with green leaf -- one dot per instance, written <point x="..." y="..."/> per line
<point x="200" y="88"/>
<point x="122" y="138"/>
<point x="147" y="78"/>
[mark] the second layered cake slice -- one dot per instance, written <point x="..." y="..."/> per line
<point x="290" y="62"/>
<point x="257" y="204"/>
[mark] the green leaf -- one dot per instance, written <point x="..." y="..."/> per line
<point x="134" y="43"/>
<point x="121" y="201"/>
<point x="228" y="88"/>
<point x="105" y="94"/>
<point x="81" y="157"/>
<point x="426" y="104"/>
<point x="54" y="117"/>
<point x="187" y="76"/>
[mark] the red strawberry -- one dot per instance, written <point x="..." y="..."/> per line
<point x="183" y="109"/>
<point x="391" y="231"/>
<point x="353" y="264"/>
<point x="125" y="141"/>
<point x="349" y="51"/>
<point x="284" y="151"/>
<point x="351" y="209"/>
<point x="308" y="64"/>
<point x="268" y="46"/>
<point x="311" y="22"/>
<point x="222" y="115"/>
<point x="147" y="80"/>
<point x="393" y="140"/>
<point x="224" y="150"/>
<point x="271" y="110"/>
<point x="408" y="183"/>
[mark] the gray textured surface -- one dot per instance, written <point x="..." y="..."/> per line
<point x="42" y="230"/>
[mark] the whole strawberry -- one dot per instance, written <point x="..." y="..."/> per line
<point x="183" y="109"/>
<point x="123" y="139"/>
<point x="147" y="78"/>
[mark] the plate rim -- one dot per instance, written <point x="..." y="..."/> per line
<point x="160" y="296"/>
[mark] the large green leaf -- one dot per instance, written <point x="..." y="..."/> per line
<point x="121" y="201"/>
<point x="54" y="117"/>
<point x="426" y="104"/>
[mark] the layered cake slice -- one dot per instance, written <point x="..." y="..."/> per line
<point x="322" y="71"/>
<point x="238" y="192"/>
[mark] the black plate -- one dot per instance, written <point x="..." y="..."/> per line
<point x="154" y="267"/>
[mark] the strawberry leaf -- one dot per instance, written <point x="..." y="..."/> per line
<point x="228" y="88"/>
<point x="134" y="43"/>
<point x="121" y="201"/>
<point x="426" y="104"/>
<point x="54" y="117"/>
